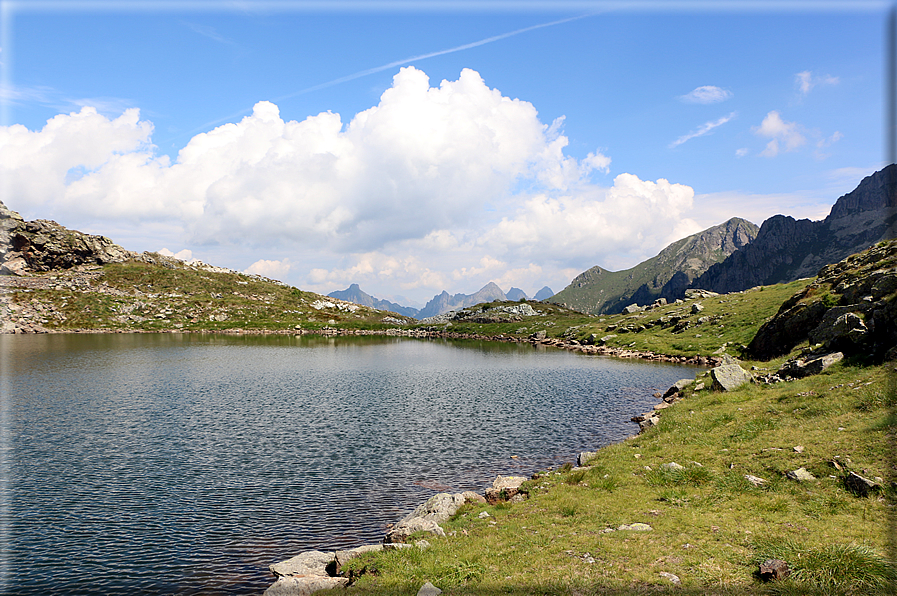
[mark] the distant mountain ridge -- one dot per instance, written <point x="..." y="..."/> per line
<point x="445" y="302"/>
<point x="666" y="275"/>
<point x="787" y="249"/>
<point x="356" y="295"/>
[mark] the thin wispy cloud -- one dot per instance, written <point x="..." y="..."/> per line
<point x="706" y="94"/>
<point x="806" y="80"/>
<point x="394" y="64"/>
<point x="702" y="130"/>
<point x="210" y="32"/>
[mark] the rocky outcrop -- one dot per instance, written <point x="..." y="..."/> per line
<point x="666" y="275"/>
<point x="787" y="249"/>
<point x="851" y="308"/>
<point x="42" y="245"/>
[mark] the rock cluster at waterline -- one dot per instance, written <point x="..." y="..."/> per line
<point x="311" y="571"/>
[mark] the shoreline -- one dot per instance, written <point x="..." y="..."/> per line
<point x="574" y="346"/>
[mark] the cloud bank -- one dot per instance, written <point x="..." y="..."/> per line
<point x="434" y="187"/>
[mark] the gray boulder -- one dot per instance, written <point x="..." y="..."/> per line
<point x="429" y="589"/>
<point x="404" y="529"/>
<point x="438" y="508"/>
<point x="585" y="457"/>
<point x="729" y="377"/>
<point x="633" y="308"/>
<point x="312" y="562"/>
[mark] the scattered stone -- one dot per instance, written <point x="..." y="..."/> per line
<point x="429" y="589"/>
<point x="633" y="308"/>
<point x="773" y="569"/>
<point x="798" y="448"/>
<point x="696" y="308"/>
<point x="504" y="488"/>
<point x="729" y="377"/>
<point x="672" y="466"/>
<point x="422" y="544"/>
<point x="699" y="386"/>
<point x="588" y="558"/>
<point x="585" y="457"/>
<point x="756" y="480"/>
<point x="678" y="386"/>
<point x="671" y="577"/>
<point x="859" y="485"/>
<point x="484" y="515"/>
<point x="800" y="475"/>
<point x="636" y="527"/>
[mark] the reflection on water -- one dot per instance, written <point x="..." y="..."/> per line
<point x="186" y="464"/>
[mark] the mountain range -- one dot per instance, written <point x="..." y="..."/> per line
<point x="736" y="255"/>
<point x="439" y="304"/>
<point x="666" y="275"/>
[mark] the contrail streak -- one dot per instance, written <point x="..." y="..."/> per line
<point x="370" y="71"/>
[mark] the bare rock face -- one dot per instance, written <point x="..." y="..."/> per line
<point x="43" y="245"/>
<point x="850" y="308"/>
<point x="786" y="249"/>
<point x="800" y="367"/>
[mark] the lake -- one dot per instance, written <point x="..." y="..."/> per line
<point x="187" y="463"/>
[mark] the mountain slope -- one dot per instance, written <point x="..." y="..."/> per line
<point x="445" y="302"/>
<point x="666" y="275"/>
<point x="355" y="294"/>
<point x="786" y="249"/>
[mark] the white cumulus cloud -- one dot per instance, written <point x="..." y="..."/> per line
<point x="434" y="187"/>
<point x="271" y="269"/>
<point x="784" y="135"/>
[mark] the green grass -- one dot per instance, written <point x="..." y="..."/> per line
<point x="711" y="527"/>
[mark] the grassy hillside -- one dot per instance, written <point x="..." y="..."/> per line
<point x="165" y="294"/>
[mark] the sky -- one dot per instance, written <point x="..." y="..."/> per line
<point x="415" y="147"/>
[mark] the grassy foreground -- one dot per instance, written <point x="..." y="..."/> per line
<point x="710" y="526"/>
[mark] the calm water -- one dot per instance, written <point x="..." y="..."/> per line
<point x="185" y="464"/>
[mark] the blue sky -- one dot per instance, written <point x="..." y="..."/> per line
<point x="286" y="139"/>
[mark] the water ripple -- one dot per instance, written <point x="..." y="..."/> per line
<point x="187" y="464"/>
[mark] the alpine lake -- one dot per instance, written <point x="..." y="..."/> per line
<point x="188" y="463"/>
